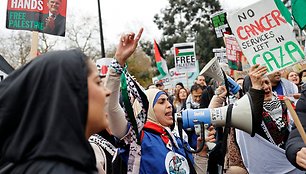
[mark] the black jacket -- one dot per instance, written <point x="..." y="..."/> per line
<point x="295" y="142"/>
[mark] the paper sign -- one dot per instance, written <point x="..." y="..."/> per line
<point x="186" y="79"/>
<point x="233" y="53"/>
<point x="166" y="81"/>
<point x="102" y="65"/>
<point x="265" y="37"/>
<point x="220" y="24"/>
<point x="184" y="57"/>
<point x="47" y="16"/>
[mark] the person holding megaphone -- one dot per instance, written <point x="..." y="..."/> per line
<point x="271" y="134"/>
<point x="146" y="142"/>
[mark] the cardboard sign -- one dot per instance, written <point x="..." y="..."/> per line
<point x="102" y="65"/>
<point x="220" y="24"/>
<point x="47" y="16"/>
<point x="265" y="37"/>
<point x="184" y="57"/>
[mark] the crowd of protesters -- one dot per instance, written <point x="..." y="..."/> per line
<point x="58" y="116"/>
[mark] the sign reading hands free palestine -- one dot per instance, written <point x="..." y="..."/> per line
<point x="47" y="16"/>
<point x="184" y="57"/>
<point x="265" y="37"/>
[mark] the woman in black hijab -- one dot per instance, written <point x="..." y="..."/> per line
<point x="48" y="110"/>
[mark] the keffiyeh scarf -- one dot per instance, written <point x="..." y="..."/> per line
<point x="131" y="92"/>
<point x="275" y="121"/>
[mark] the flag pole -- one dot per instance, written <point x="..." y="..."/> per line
<point x="34" y="44"/>
<point x="296" y="119"/>
<point x="101" y="31"/>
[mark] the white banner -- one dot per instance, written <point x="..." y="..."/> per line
<point x="264" y="36"/>
<point x="102" y="65"/>
<point x="166" y="81"/>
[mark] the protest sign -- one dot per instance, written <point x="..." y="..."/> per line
<point x="220" y="24"/>
<point x="102" y="65"/>
<point x="220" y="54"/>
<point x="166" y="81"/>
<point x="48" y="16"/>
<point x="233" y="53"/>
<point x="264" y="36"/>
<point x="184" y="57"/>
<point x="186" y="78"/>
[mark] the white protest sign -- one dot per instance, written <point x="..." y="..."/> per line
<point x="264" y="36"/>
<point x="187" y="80"/>
<point x="184" y="57"/>
<point x="102" y="65"/>
<point x="166" y="81"/>
<point x="2" y="75"/>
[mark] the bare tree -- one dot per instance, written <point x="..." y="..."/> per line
<point x="15" y="48"/>
<point x="84" y="34"/>
<point x="46" y="43"/>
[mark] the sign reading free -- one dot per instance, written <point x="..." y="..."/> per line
<point x="265" y="37"/>
<point x="184" y="57"/>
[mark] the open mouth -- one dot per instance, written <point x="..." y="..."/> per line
<point x="168" y="114"/>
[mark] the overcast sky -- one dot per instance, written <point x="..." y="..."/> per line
<point x="119" y="16"/>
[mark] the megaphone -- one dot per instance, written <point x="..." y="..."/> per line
<point x="243" y="116"/>
<point x="213" y="70"/>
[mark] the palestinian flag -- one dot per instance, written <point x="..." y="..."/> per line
<point x="299" y="12"/>
<point x="185" y="50"/>
<point x="284" y="11"/>
<point x="160" y="61"/>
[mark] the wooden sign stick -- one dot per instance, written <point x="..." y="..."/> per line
<point x="34" y="45"/>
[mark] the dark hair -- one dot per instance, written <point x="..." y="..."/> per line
<point x="301" y="74"/>
<point x="195" y="87"/>
<point x="180" y="84"/>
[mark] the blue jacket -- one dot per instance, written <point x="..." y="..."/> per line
<point x="160" y="154"/>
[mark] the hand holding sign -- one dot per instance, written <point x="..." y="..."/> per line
<point x="50" y="23"/>
<point x="127" y="46"/>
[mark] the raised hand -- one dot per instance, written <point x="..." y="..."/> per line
<point x="256" y="73"/>
<point x="50" y="24"/>
<point x="127" y="45"/>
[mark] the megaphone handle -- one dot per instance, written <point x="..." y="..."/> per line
<point x="296" y="119"/>
<point x="210" y="145"/>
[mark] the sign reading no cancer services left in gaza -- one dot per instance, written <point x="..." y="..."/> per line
<point x="184" y="57"/>
<point x="265" y="37"/>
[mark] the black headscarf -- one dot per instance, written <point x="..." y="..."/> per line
<point x="43" y="111"/>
